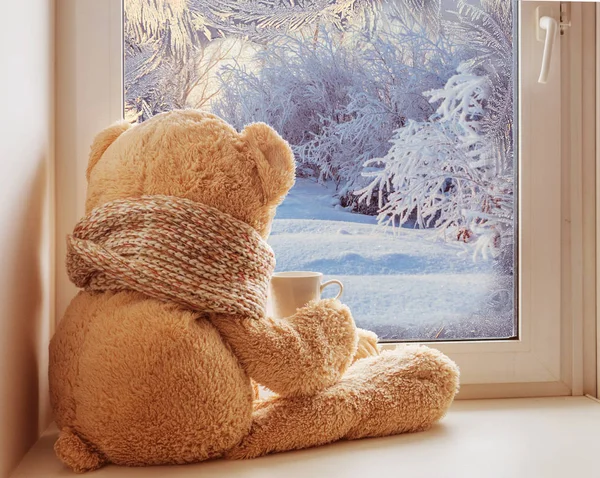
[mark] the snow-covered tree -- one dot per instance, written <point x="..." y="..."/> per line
<point x="454" y="172"/>
<point x="339" y="100"/>
<point x="164" y="37"/>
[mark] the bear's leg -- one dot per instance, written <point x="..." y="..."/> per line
<point x="396" y="392"/>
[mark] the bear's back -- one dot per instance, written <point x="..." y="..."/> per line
<point x="146" y="376"/>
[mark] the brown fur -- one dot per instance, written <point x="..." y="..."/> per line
<point x="136" y="381"/>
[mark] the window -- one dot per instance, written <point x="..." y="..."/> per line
<point x="402" y="122"/>
<point x="539" y="348"/>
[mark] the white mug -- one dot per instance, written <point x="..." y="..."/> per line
<point x="291" y="290"/>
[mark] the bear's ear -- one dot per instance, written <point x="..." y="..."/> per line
<point x="102" y="141"/>
<point x="274" y="160"/>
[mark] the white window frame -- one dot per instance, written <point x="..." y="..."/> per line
<point x="557" y="243"/>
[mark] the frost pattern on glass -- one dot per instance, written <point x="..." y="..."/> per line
<point x="401" y="117"/>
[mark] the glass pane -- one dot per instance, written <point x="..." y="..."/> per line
<point x="401" y="115"/>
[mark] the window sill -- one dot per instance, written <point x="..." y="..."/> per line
<point x="533" y="437"/>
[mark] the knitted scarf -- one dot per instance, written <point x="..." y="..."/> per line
<point x="172" y="249"/>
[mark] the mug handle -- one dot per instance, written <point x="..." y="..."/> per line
<point x="333" y="281"/>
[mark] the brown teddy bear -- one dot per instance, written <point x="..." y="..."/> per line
<point x="146" y="370"/>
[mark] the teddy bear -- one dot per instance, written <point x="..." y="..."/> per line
<point x="140" y="374"/>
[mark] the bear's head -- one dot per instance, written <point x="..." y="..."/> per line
<point x="197" y="156"/>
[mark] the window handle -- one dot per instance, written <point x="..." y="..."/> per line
<point x="550" y="25"/>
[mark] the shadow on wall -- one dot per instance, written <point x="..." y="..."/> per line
<point x="25" y="316"/>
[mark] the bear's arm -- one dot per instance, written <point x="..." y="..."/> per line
<point x="298" y="355"/>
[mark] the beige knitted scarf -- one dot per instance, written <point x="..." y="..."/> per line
<point x="172" y="249"/>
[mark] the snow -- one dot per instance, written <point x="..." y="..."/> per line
<point x="403" y="286"/>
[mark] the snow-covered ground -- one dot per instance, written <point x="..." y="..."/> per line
<point x="405" y="285"/>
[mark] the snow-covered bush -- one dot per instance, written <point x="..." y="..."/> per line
<point x="454" y="172"/>
<point x="339" y="100"/>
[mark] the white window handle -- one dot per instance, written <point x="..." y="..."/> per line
<point x="551" y="26"/>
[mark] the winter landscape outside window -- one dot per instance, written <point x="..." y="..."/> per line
<point x="401" y="115"/>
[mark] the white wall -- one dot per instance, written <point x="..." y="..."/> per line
<point x="89" y="98"/>
<point x="26" y="224"/>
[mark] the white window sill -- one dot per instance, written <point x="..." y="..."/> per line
<point x="545" y="437"/>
